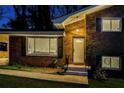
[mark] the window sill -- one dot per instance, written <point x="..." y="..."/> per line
<point x="117" y="69"/>
<point x="111" y="31"/>
<point x="42" y="55"/>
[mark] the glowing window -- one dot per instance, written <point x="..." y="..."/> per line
<point x="42" y="46"/>
<point x="111" y="25"/>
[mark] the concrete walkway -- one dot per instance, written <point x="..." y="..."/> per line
<point x="51" y="77"/>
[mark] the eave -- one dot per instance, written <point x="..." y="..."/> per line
<point x="34" y="33"/>
<point x="61" y="22"/>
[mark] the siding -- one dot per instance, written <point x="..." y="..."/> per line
<point x="4" y="38"/>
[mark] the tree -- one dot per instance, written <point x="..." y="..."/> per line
<point x="31" y="17"/>
<point x="65" y="9"/>
<point x="39" y="17"/>
<point x="20" y="22"/>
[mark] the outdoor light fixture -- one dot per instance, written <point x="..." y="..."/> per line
<point x="77" y="30"/>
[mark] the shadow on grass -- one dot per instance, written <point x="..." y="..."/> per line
<point x="7" y="81"/>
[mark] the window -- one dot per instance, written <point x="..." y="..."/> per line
<point x="30" y="45"/>
<point x="42" y="46"/>
<point x="111" y="24"/>
<point x="3" y="46"/>
<point x="110" y="62"/>
<point x="53" y="46"/>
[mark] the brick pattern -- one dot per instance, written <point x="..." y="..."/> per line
<point x="17" y="56"/>
<point x="101" y="43"/>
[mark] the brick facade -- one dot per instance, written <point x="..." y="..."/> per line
<point x="18" y="54"/>
<point x="104" y="43"/>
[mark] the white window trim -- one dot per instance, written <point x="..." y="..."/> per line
<point x="106" y="68"/>
<point x="111" y="18"/>
<point x="40" y="54"/>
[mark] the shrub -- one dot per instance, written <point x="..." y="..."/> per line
<point x="100" y="74"/>
<point x="54" y="63"/>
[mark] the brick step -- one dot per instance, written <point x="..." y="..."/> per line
<point x="80" y="73"/>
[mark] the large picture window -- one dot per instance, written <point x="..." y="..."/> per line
<point x="42" y="46"/>
<point x="110" y="62"/>
<point x="111" y="24"/>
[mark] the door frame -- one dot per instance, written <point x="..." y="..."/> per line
<point x="73" y="49"/>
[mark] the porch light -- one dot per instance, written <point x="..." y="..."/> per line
<point x="77" y="30"/>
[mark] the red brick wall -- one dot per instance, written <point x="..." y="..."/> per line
<point x="17" y="54"/>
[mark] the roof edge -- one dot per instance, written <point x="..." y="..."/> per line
<point x="84" y="12"/>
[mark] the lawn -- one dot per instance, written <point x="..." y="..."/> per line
<point x="12" y="81"/>
<point x="110" y="83"/>
<point x="7" y="81"/>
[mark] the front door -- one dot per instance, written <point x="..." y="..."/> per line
<point x="78" y="50"/>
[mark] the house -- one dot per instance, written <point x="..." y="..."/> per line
<point x="33" y="48"/>
<point x="92" y="36"/>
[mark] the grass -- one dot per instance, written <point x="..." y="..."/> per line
<point x="13" y="81"/>
<point x="30" y="69"/>
<point x="110" y="83"/>
<point x="7" y="81"/>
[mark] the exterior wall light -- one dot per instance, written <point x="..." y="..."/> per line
<point x="77" y="30"/>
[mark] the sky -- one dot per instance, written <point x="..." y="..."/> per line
<point x="7" y="14"/>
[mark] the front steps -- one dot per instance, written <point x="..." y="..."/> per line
<point x="77" y="70"/>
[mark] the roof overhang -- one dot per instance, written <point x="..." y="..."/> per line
<point x="77" y="16"/>
<point x="34" y="33"/>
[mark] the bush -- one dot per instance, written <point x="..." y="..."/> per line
<point x="100" y="74"/>
<point x="17" y="65"/>
<point x="54" y="63"/>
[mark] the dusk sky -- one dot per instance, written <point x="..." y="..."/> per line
<point x="7" y="13"/>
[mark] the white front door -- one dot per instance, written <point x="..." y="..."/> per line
<point x="78" y="51"/>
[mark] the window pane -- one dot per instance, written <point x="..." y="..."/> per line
<point x="30" y="45"/>
<point x="53" y="46"/>
<point x="42" y="45"/>
<point x="106" y="26"/>
<point x="106" y="62"/>
<point x="115" y="62"/>
<point x="115" y="25"/>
